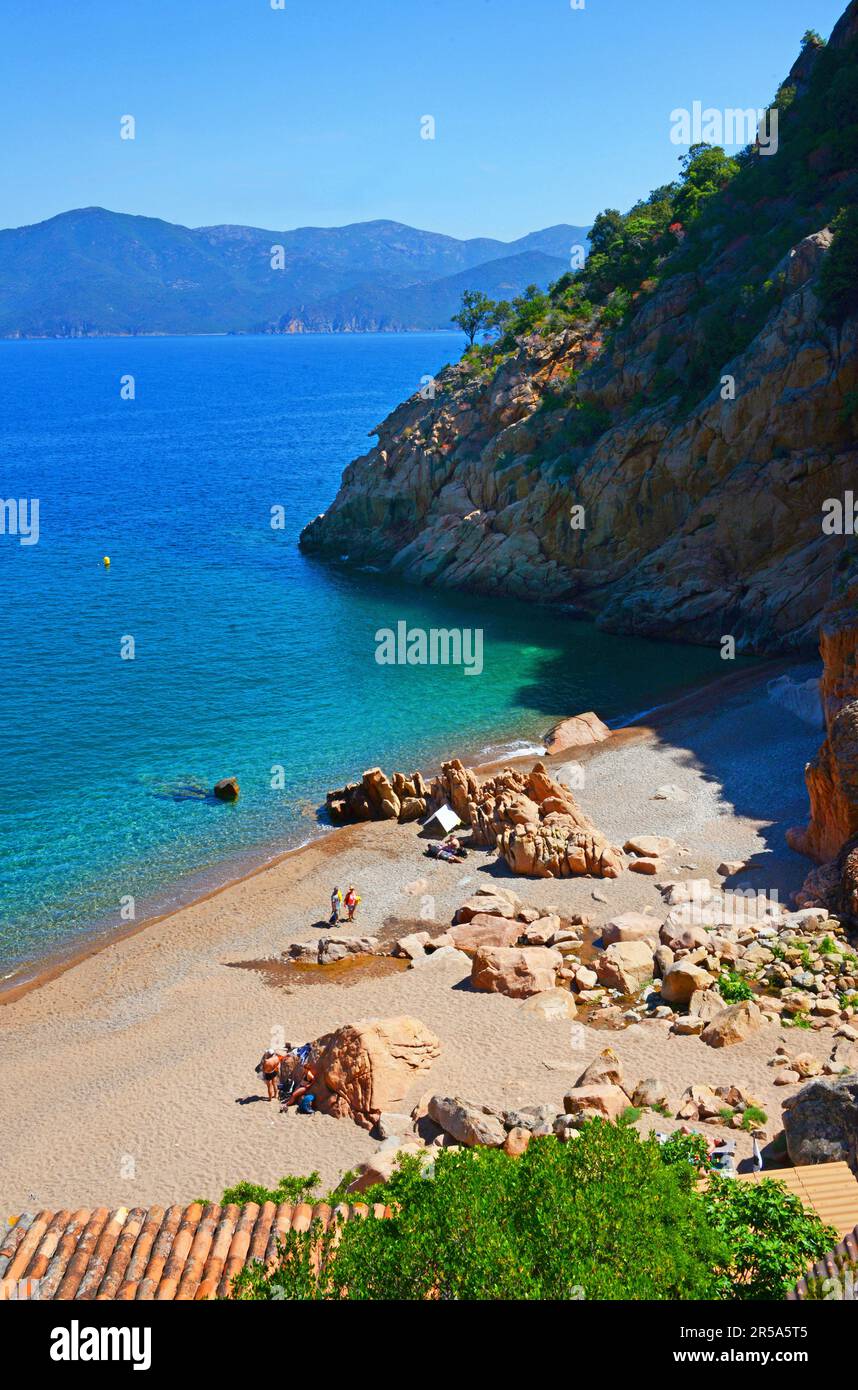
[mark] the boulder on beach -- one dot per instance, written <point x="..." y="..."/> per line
<point x="682" y="979"/>
<point x="365" y="1068"/>
<point x="631" y="926"/>
<point x="651" y="1094"/>
<point x="484" y="930"/>
<point x="329" y="949"/>
<point x="553" y="1005"/>
<point x="607" y="1101"/>
<point x="227" y="789"/>
<point x="626" y="965"/>
<point x="488" y="904"/>
<point x="517" y="971"/>
<point x="734" y="1024"/>
<point x="821" y="1122"/>
<point x="576" y="732"/>
<point x="604" y="1070"/>
<point x="467" y="1122"/>
<point x="650" y="846"/>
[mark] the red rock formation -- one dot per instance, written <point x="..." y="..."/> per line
<point x="581" y="729"/>
<point x="538" y="827"/>
<point x="832" y="776"/>
<point x="367" y="1067"/>
<point x="536" y="823"/>
<point x="377" y="797"/>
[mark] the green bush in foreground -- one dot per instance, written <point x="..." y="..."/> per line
<point x="606" y="1216"/>
<point x="287" y="1190"/>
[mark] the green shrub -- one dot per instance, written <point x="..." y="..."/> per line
<point x="605" y="1216"/>
<point x="287" y="1190"/>
<point x="771" y="1237"/>
<point x="733" y="987"/>
<point x="754" y="1118"/>
<point x="686" y="1148"/>
<point x="838" y="279"/>
<point x="602" y="1213"/>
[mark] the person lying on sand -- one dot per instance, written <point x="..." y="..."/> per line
<point x="443" y="851"/>
<point x="269" y="1069"/>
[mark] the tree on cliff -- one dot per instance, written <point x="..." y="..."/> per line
<point x="706" y="169"/>
<point x="838" y="280"/>
<point x="474" y="313"/>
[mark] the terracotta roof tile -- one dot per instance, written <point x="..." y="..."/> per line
<point x="122" y="1250"/>
<point x="831" y="1265"/>
<point x="829" y="1189"/>
<point x="151" y="1253"/>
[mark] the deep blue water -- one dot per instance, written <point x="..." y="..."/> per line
<point x="248" y="656"/>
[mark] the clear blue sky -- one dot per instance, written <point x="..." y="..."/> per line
<point x="310" y="114"/>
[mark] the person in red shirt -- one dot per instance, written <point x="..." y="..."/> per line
<point x="351" y="901"/>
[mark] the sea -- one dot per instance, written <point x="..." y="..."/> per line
<point x="210" y="647"/>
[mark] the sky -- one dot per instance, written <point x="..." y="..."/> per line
<point x="311" y="114"/>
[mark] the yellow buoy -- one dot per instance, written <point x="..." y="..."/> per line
<point x="105" y="560"/>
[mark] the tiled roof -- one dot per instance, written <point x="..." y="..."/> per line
<point x="831" y="1265"/>
<point x="150" y="1253"/>
<point x="829" y="1189"/>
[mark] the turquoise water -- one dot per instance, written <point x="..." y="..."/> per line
<point x="249" y="657"/>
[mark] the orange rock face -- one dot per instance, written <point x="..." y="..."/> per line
<point x="832" y="776"/>
<point x="575" y="732"/>
<point x="483" y="930"/>
<point x="517" y="971"/>
<point x="367" y="1067"/>
<point x="536" y="823"/>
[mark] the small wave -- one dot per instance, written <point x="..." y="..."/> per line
<point x="518" y="748"/>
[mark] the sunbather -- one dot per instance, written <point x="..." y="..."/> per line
<point x="438" y="850"/>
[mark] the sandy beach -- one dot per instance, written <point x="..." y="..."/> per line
<point x="129" y="1078"/>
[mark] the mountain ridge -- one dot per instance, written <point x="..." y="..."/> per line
<point x="93" y="272"/>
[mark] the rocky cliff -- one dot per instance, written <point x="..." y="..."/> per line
<point x="832" y="776"/>
<point x="658" y="452"/>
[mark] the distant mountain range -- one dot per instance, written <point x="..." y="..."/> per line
<point x="92" y="272"/>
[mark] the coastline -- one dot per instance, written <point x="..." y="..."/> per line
<point x="154" y="1037"/>
<point x="30" y="976"/>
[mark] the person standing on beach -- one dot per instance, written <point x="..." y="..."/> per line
<point x="351" y="901"/>
<point x="336" y="904"/>
<point x="269" y="1069"/>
